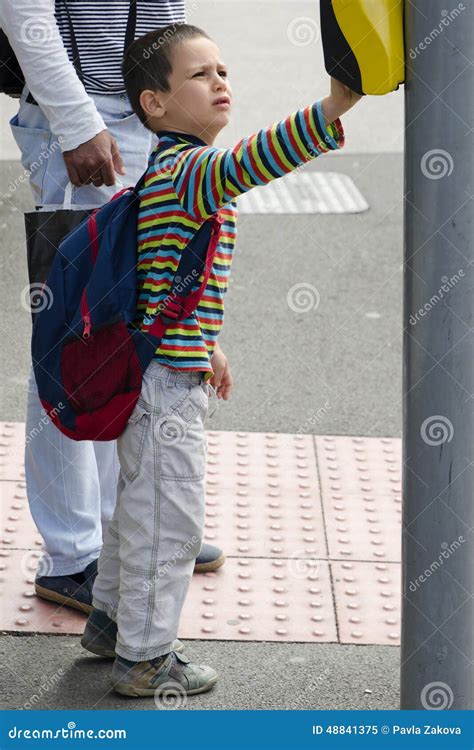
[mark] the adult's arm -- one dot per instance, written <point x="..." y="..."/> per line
<point x="33" y="33"/>
<point x="90" y="152"/>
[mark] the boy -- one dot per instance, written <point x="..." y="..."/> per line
<point x="178" y="87"/>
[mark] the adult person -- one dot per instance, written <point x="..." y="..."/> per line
<point x="81" y="130"/>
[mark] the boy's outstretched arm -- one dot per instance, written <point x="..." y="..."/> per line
<point x="206" y="178"/>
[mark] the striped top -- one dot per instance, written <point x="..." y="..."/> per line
<point x="99" y="28"/>
<point x="187" y="181"/>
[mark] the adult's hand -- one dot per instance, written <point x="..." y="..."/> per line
<point x="94" y="161"/>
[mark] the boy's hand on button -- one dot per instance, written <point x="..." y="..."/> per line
<point x="343" y="95"/>
<point x="222" y="380"/>
<point x="340" y="100"/>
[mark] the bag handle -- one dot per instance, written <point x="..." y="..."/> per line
<point x="68" y="192"/>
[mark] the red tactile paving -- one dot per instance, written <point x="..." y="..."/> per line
<point x="361" y="495"/>
<point x="12" y="448"/>
<point x="272" y="501"/>
<point x="262" y="495"/>
<point x="273" y="461"/>
<point x="367" y="602"/>
<point x="261" y="600"/>
<point x="17" y="530"/>
<point x="247" y="599"/>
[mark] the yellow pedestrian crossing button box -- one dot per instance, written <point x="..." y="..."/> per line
<point x="363" y="43"/>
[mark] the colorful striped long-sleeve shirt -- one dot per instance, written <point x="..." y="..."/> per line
<point x="186" y="183"/>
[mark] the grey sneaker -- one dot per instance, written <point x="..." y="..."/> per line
<point x="100" y="635"/>
<point x="171" y="673"/>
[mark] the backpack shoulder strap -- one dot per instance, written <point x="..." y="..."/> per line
<point x="140" y="182"/>
<point x="198" y="257"/>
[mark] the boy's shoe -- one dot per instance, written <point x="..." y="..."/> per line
<point x="71" y="591"/>
<point x="76" y="590"/>
<point x="170" y="673"/>
<point x="100" y="635"/>
<point x="210" y="558"/>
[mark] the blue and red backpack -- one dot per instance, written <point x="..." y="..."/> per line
<point x="88" y="356"/>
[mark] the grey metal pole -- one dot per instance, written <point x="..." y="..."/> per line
<point x="438" y="425"/>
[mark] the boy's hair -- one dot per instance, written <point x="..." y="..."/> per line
<point x="147" y="61"/>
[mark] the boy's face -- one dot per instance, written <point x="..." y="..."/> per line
<point x="198" y="81"/>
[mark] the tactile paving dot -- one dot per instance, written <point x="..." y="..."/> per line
<point x="17" y="529"/>
<point x="367" y="602"/>
<point x="361" y="496"/>
<point x="12" y="449"/>
<point x="260" y="599"/>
